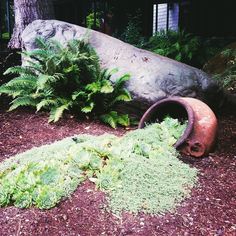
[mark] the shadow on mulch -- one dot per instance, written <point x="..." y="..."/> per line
<point x="210" y="210"/>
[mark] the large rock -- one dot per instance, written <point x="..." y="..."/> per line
<point x="152" y="76"/>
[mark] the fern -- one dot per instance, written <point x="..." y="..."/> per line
<point x="88" y="108"/>
<point x="123" y="96"/>
<point x="47" y="102"/>
<point x="42" y="43"/>
<point x="121" y="81"/>
<point x="56" y="113"/>
<point x="19" y="70"/>
<point x="113" y="119"/>
<point x="28" y="81"/>
<point x="59" y="78"/>
<point x="23" y="101"/>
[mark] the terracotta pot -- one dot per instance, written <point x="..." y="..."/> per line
<point x="200" y="134"/>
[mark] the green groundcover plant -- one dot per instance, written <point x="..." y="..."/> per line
<point x="59" y="78"/>
<point x="140" y="172"/>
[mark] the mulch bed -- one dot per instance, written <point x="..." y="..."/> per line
<point x="209" y="211"/>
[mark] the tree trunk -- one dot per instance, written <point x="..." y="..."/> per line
<point x="26" y="11"/>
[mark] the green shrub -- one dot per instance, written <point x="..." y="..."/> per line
<point x="177" y="45"/>
<point x="61" y="78"/>
<point x="132" y="33"/>
<point x="6" y="35"/>
<point x="228" y="77"/>
<point x="90" y="20"/>
<point x="140" y="172"/>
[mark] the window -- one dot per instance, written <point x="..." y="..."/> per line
<point x="165" y="16"/>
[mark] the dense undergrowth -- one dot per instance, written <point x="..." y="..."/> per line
<point x="227" y="77"/>
<point x="139" y="171"/>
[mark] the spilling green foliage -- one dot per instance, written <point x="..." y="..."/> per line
<point x="139" y="171"/>
<point x="59" y="78"/>
<point x="40" y="176"/>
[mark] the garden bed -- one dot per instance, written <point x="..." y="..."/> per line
<point x="209" y="210"/>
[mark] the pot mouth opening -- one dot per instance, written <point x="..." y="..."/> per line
<point x="175" y="108"/>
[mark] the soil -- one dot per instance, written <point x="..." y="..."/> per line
<point x="210" y="210"/>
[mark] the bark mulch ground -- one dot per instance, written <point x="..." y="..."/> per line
<point x="209" y="211"/>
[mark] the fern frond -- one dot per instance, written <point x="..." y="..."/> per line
<point x="44" y="79"/>
<point x="57" y="112"/>
<point x="56" y="46"/>
<point x="113" y="119"/>
<point x="23" y="101"/>
<point x="106" y="87"/>
<point x="110" y="119"/>
<point x="73" y="46"/>
<point x="18" y="87"/>
<point x="123" y="120"/>
<point x="38" y="54"/>
<point x="93" y="87"/>
<point x="23" y="81"/>
<point x="47" y="102"/>
<point x="88" y="108"/>
<point x="42" y="43"/>
<point x="35" y="66"/>
<point x="78" y="94"/>
<point x="106" y="74"/>
<point x="119" y="83"/>
<point x="4" y="89"/>
<point x="123" y="96"/>
<point x="19" y="70"/>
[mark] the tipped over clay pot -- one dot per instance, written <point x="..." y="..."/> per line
<point x="199" y="136"/>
